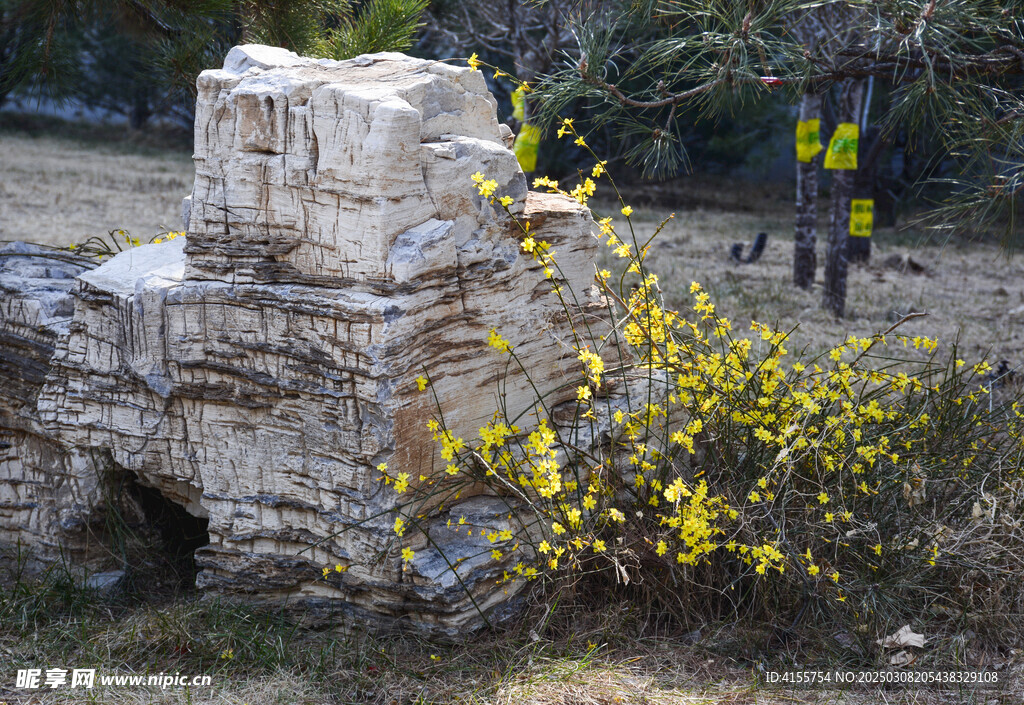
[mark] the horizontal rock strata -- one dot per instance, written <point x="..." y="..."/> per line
<point x="259" y="370"/>
<point x="38" y="472"/>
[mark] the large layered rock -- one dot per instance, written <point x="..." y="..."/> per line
<point x="38" y="473"/>
<point x="257" y="372"/>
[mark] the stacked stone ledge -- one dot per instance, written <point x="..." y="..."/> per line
<point x="258" y="371"/>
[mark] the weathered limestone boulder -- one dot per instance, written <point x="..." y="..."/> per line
<point x="37" y="472"/>
<point x="258" y="371"/>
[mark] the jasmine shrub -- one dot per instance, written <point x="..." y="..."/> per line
<point x="727" y="474"/>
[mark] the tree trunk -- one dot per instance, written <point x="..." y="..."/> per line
<point x="834" y="295"/>
<point x="805" y="240"/>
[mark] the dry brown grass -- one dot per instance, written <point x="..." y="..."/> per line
<point x="970" y="290"/>
<point x="508" y="668"/>
<point x="580" y="652"/>
<point x="64" y="185"/>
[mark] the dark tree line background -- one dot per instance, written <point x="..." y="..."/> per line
<point x="140" y="58"/>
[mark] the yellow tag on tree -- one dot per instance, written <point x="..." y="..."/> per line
<point x="862" y="217"/>
<point x="842" y="150"/>
<point x="526" y="147"/>
<point x="519" y="104"/>
<point x="808" y="140"/>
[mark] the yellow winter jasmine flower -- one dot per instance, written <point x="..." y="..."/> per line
<point x="661" y="549"/>
<point x="421" y="382"/>
<point x="813" y="570"/>
<point x="574" y="518"/>
<point x="506" y="201"/>
<point x="599" y="169"/>
<point x="495" y="340"/>
<point x="598" y="546"/>
<point x="474" y="62"/>
<point x="383" y="467"/>
<point x="583" y="393"/>
<point x="627" y="211"/>
<point x="408" y="554"/>
<point x="487" y="188"/>
<point x="822" y="498"/>
<point x="402" y="483"/>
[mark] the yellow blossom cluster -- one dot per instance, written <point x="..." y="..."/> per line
<point x="787" y="468"/>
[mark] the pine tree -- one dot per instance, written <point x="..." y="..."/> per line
<point x="952" y="69"/>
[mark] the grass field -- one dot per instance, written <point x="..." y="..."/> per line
<point x="577" y="654"/>
<point x="62" y="182"/>
<point x="970" y="290"/>
<point x="62" y="189"/>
